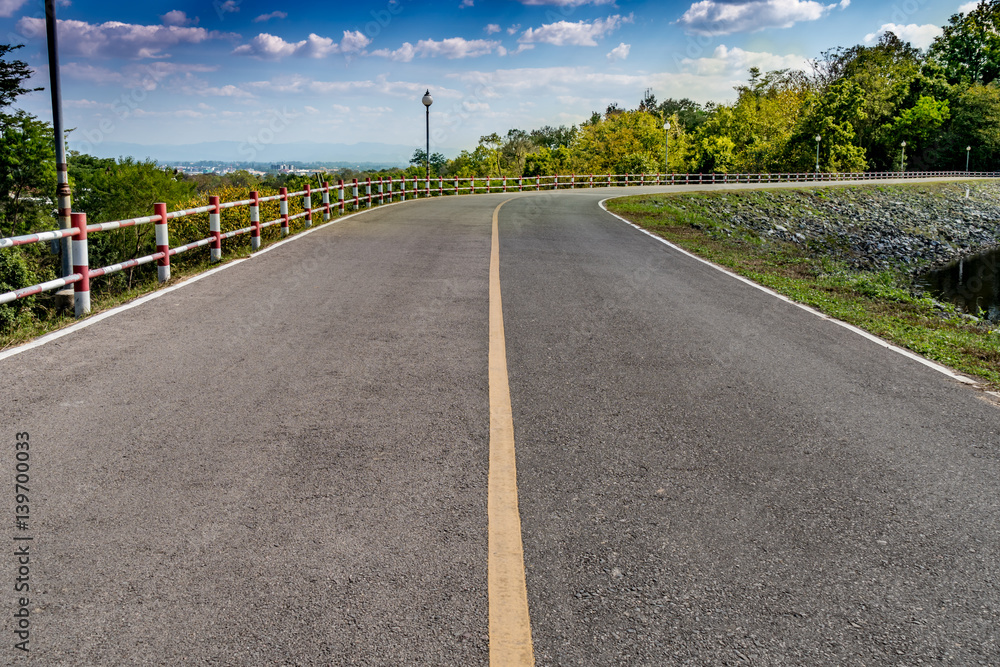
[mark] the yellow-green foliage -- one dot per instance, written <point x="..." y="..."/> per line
<point x="192" y="228"/>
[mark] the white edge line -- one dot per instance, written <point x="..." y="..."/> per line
<point x="850" y="327"/>
<point x="94" y="319"/>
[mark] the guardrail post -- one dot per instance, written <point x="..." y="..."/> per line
<point x="283" y="211"/>
<point x="505" y="184"/>
<point x="81" y="265"/>
<point x="307" y="204"/>
<point x="340" y="195"/>
<point x="381" y="190"/>
<point x="326" y="200"/>
<point x="215" y="229"/>
<point x="440" y="186"/>
<point x="255" y="220"/>
<point x="162" y="242"/>
<point x="456" y="186"/>
<point x="591" y="181"/>
<point x="390" y="191"/>
<point x="368" y="192"/>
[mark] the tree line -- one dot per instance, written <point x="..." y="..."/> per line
<point x="861" y="102"/>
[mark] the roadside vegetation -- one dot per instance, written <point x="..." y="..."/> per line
<point x="862" y="102"/>
<point x="889" y="302"/>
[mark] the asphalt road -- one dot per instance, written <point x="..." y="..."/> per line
<point x="286" y="463"/>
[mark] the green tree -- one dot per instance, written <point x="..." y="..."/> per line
<point x="968" y="48"/>
<point x="27" y="173"/>
<point x="832" y="117"/>
<point x="606" y="146"/>
<point x="752" y="134"/>
<point x="13" y="74"/>
<point x="886" y="75"/>
<point x="974" y="123"/>
<point x="109" y="189"/>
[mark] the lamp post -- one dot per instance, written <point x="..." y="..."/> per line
<point x="818" y="139"/>
<point x="428" y="101"/>
<point x="666" y="147"/>
<point x="967" y="149"/>
<point x="902" y="155"/>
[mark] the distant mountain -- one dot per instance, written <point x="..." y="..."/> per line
<point x="389" y="155"/>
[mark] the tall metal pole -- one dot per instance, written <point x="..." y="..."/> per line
<point x="818" y="139"/>
<point x="63" y="194"/>
<point x="666" y="147"/>
<point x="902" y="155"/>
<point x="428" y="101"/>
<point x="967" y="149"/>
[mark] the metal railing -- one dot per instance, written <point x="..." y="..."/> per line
<point x="357" y="195"/>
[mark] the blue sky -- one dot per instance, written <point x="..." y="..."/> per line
<point x="261" y="71"/>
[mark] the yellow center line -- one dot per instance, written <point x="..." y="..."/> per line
<point x="510" y="626"/>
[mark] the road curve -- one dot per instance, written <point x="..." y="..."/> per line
<point x="287" y="462"/>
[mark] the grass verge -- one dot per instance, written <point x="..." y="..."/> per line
<point x="885" y="303"/>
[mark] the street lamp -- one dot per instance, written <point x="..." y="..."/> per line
<point x="967" y="149"/>
<point x="818" y="139"/>
<point x="428" y="101"/>
<point x="902" y="156"/>
<point x="666" y="146"/>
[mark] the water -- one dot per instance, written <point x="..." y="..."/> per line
<point x="972" y="283"/>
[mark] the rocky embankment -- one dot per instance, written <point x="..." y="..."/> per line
<point x="871" y="227"/>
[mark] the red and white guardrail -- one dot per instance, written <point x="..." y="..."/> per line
<point x="349" y="195"/>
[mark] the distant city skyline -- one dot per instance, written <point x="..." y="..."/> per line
<point x="261" y="73"/>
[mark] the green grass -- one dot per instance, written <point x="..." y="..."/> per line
<point x="887" y="303"/>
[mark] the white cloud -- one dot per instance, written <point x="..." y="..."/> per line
<point x="9" y="7"/>
<point x="354" y="40"/>
<point x="465" y="3"/>
<point x="451" y="48"/>
<point x="719" y="17"/>
<point x="492" y="28"/>
<point x="581" y="33"/>
<point x="965" y="9"/>
<point x="271" y="47"/>
<point x="620" y="52"/>
<point x="178" y="18"/>
<point x="268" y="46"/>
<point x="704" y="79"/>
<point x="147" y="76"/>
<point x="229" y="90"/>
<point x="312" y="111"/>
<point x="919" y="36"/>
<point x="735" y="62"/>
<point x="513" y="29"/>
<point x="296" y="84"/>
<point x="340" y="108"/>
<point x="273" y="15"/>
<point x="114" y="39"/>
<point x="86" y="104"/>
<point x="227" y="7"/>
